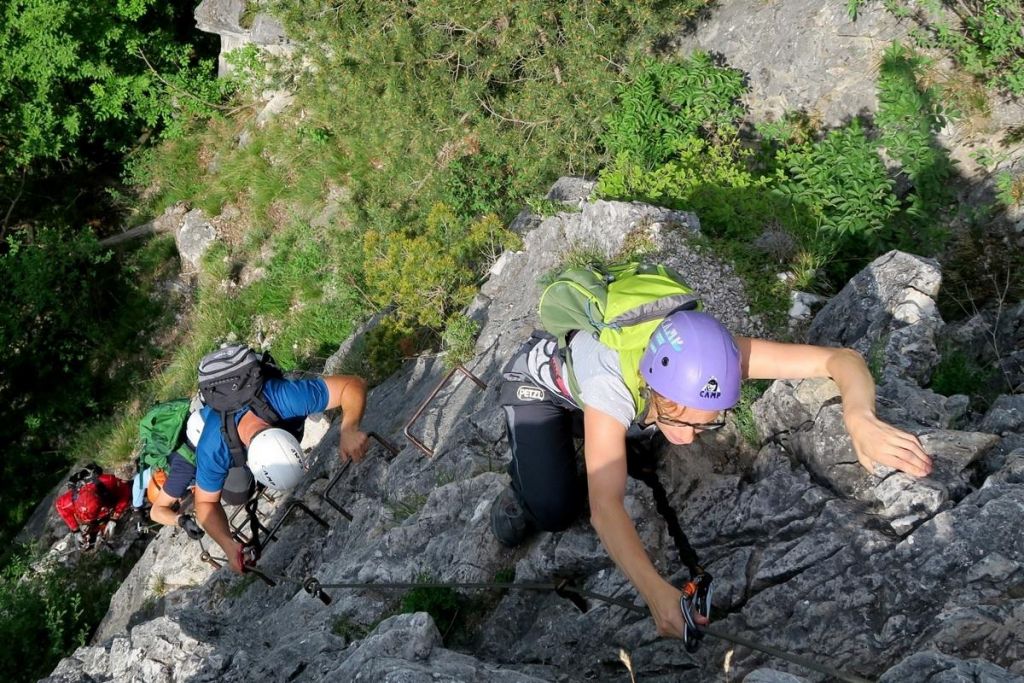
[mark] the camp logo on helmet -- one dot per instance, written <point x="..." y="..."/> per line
<point x="530" y="394"/>
<point x="667" y="334"/>
<point x="269" y="480"/>
<point x="710" y="389"/>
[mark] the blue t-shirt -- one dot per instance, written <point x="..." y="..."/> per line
<point x="289" y="397"/>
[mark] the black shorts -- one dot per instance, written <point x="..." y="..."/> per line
<point x="542" y="427"/>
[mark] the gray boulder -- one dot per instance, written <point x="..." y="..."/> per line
<point x="887" y="312"/>
<point x="1005" y="416"/>
<point x="935" y="667"/>
<point x="224" y="18"/>
<point x="905" y="403"/>
<point x="194" y="237"/>
<point x="408" y="648"/>
<point x="806" y="419"/>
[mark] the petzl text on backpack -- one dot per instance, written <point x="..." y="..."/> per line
<point x="162" y="432"/>
<point x="621" y="306"/>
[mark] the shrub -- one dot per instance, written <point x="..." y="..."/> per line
<point x="985" y="38"/>
<point x="426" y="284"/>
<point x="743" y="414"/>
<point x="442" y="604"/>
<point x="909" y="117"/>
<point x="44" y="615"/>
<point x="459" y="339"/>
<point x="81" y="74"/>
<point x="843" y="184"/>
<point x="667" y="104"/>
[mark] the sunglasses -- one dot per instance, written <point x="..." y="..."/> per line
<point x="698" y="426"/>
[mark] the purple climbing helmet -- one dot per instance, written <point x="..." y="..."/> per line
<point x="692" y="360"/>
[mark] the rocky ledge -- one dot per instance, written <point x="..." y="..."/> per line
<point x="878" y="575"/>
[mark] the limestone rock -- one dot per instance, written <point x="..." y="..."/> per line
<point x="887" y="312"/>
<point x="803" y="304"/>
<point x="224" y="18"/>
<point x="935" y="667"/>
<point x="799" y="54"/>
<point x="810" y="552"/>
<point x="772" y="676"/>
<point x="1005" y="416"/>
<point x="903" y="402"/>
<point x="194" y="237"/>
<point x="572" y="190"/>
<point x="408" y="647"/>
<point x="277" y="102"/>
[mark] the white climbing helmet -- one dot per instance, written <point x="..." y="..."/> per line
<point x="194" y="428"/>
<point x="276" y="459"/>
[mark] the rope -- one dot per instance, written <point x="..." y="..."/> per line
<point x="565" y="589"/>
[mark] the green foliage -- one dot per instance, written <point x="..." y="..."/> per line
<point x="45" y="615"/>
<point x="910" y="116"/>
<point x="705" y="178"/>
<point x="743" y="414"/>
<point x="432" y="100"/>
<point x="385" y="347"/>
<point x="548" y="207"/>
<point x="442" y="604"/>
<point x="1010" y="188"/>
<point x="63" y="335"/>
<point x="830" y="192"/>
<point x="876" y="358"/>
<point x="459" y="339"/>
<point x="406" y="507"/>
<point x="505" y="575"/>
<point x="240" y="586"/>
<point x="481" y="184"/>
<point x="666" y="104"/>
<point x="985" y="38"/>
<point x="957" y="373"/>
<point x="842" y="182"/>
<point x="76" y="74"/>
<point x="348" y="629"/>
<point x="426" y="284"/>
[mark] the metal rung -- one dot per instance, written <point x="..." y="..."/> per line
<point x="433" y="394"/>
<point x="326" y="495"/>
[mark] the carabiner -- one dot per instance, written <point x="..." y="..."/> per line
<point x="696" y="597"/>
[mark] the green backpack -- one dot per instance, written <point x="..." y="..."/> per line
<point x="162" y="432"/>
<point x="621" y="305"/>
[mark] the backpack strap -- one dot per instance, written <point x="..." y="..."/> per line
<point x="229" y="430"/>
<point x="229" y="427"/>
<point x="264" y="410"/>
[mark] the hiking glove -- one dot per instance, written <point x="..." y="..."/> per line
<point x="81" y="540"/>
<point x="108" y="531"/>
<point x="191" y="527"/>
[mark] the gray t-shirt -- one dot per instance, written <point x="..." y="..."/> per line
<point x="599" y="378"/>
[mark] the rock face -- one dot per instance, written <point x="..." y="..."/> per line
<point x="194" y="237"/>
<point x="799" y="54"/>
<point x="872" y="574"/>
<point x="888" y="314"/>
<point x="225" y="18"/>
